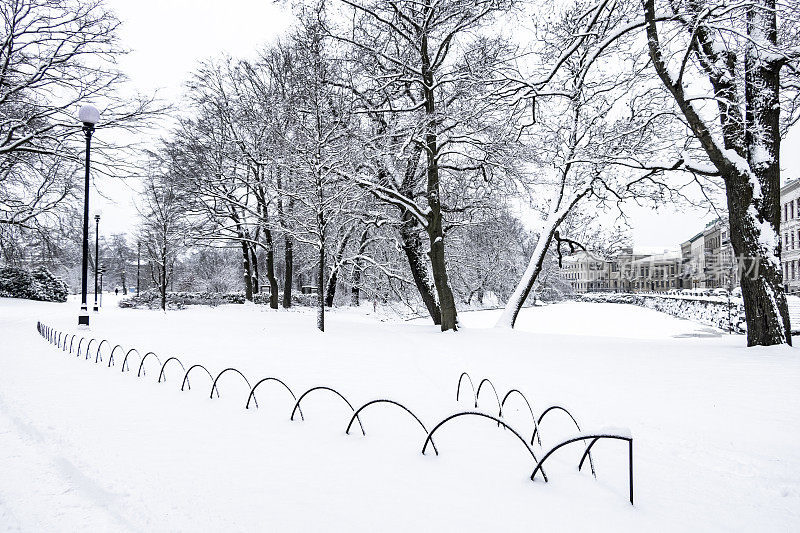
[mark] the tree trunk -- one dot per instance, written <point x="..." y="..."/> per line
<point x="357" y="267"/>
<point x="254" y="269"/>
<point x="330" y="291"/>
<point x="287" y="278"/>
<point x="248" y="286"/>
<point x="523" y="288"/>
<point x="412" y="247"/>
<point x="163" y="286"/>
<point x="447" y="304"/>
<point x="320" y="290"/>
<point x="766" y="310"/>
<point x="273" y="282"/>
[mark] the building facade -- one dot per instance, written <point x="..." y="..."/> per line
<point x="790" y="235"/>
<point x="625" y="272"/>
<point x="705" y="261"/>
<point x="707" y="258"/>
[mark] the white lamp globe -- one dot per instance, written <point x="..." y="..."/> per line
<point x="89" y="114"/>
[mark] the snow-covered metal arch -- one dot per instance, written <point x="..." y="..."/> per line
<point x="141" y="364"/>
<point x="471" y="384"/>
<point x="161" y="372"/>
<point x="429" y="438"/>
<point x="186" y="376"/>
<point x="392" y="402"/>
<point x="111" y="356"/>
<point x="71" y="340"/>
<point x="97" y="352"/>
<point x="252" y="396"/>
<point x="530" y="409"/>
<point x="478" y="394"/>
<point x="214" y="385"/>
<point x="594" y="438"/>
<point x="125" y="361"/>
<point x="88" y="347"/>
<point x="337" y="393"/>
<point x="577" y="426"/>
<point x="78" y="350"/>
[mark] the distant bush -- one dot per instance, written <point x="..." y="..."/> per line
<point x="37" y="284"/>
<point x="151" y="299"/>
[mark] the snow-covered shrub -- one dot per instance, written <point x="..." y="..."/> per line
<point x="710" y="311"/>
<point x="151" y="299"/>
<point x="38" y="284"/>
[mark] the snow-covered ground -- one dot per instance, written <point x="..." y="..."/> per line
<point x="716" y="425"/>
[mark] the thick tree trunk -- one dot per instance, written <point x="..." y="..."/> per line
<point x="447" y="304"/>
<point x="288" y="275"/>
<point x="765" y="304"/>
<point x="270" y="264"/>
<point x="766" y="311"/>
<point x="412" y="247"/>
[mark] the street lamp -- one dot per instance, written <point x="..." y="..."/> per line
<point x="102" y="270"/>
<point x="89" y="115"/>
<point x="96" y="257"/>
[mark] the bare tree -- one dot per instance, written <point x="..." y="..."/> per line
<point x="423" y="67"/>
<point x="55" y="55"/>
<point x="162" y="228"/>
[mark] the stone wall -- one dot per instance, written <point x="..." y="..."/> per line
<point x="711" y="311"/>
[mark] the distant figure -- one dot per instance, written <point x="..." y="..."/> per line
<point x="116" y="291"/>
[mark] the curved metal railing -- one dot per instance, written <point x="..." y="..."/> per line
<point x="59" y="339"/>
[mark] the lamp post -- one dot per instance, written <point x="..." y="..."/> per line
<point x="96" y="257"/>
<point x="102" y="270"/>
<point x="89" y="116"/>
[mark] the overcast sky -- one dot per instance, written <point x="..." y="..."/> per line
<point x="168" y="38"/>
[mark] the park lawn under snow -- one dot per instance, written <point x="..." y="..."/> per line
<point x="716" y="425"/>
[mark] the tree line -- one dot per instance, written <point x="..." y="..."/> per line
<point x="435" y="151"/>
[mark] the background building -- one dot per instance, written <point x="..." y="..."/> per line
<point x="705" y="261"/>
<point x="625" y="272"/>
<point x="790" y="230"/>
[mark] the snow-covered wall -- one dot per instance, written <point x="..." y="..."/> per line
<point x="715" y="312"/>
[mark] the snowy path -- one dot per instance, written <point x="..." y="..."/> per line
<point x="716" y="425"/>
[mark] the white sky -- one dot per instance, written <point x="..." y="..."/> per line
<point x="168" y="38"/>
